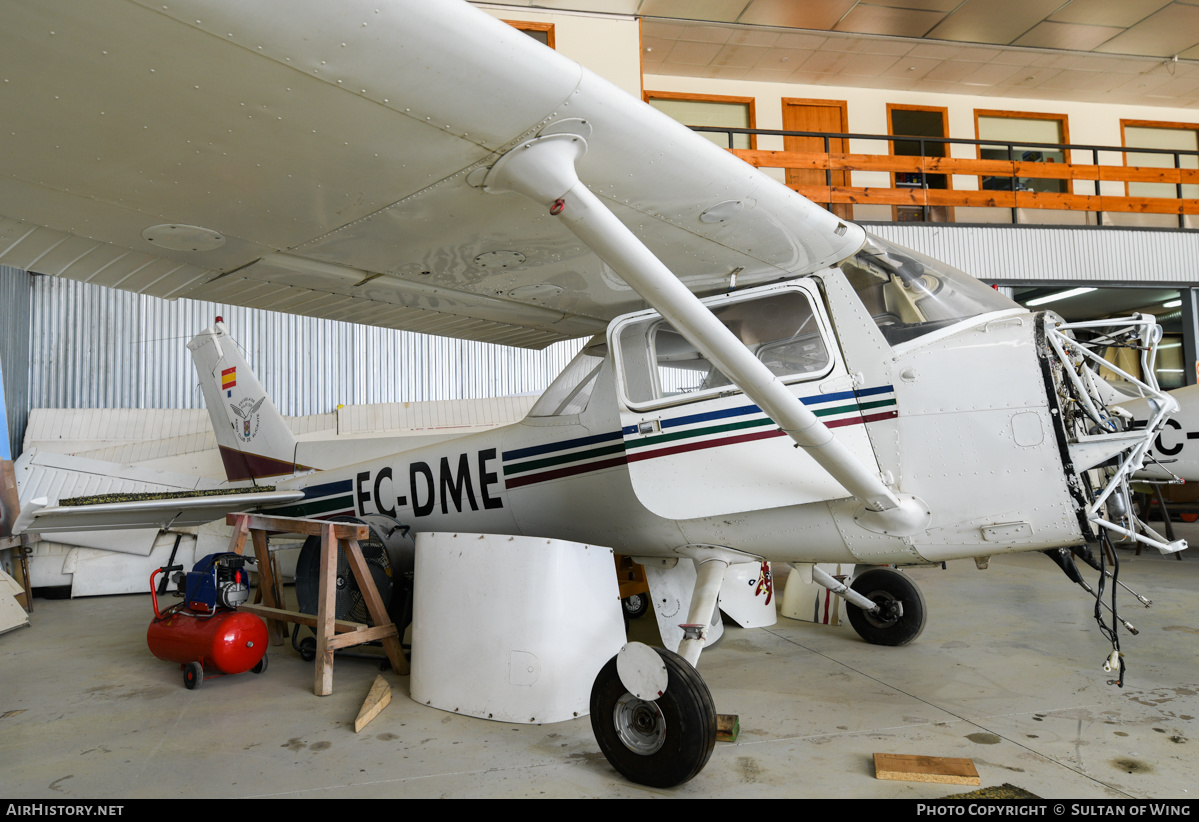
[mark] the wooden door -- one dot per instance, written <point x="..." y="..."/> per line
<point x="826" y="116"/>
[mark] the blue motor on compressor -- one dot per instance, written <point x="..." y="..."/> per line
<point x="218" y="580"/>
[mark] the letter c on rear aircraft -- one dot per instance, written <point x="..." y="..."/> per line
<point x="384" y="473"/>
<point x="1162" y="449"/>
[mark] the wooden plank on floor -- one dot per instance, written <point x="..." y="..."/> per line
<point x="378" y="699"/>
<point x="914" y="768"/>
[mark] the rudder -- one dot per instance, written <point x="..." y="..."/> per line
<point x="254" y="439"/>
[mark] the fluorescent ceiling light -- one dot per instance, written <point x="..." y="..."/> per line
<point x="1172" y="304"/>
<point x="1061" y="295"/>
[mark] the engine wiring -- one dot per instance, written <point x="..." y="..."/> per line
<point x="1109" y="632"/>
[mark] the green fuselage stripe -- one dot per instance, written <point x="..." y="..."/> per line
<point x="699" y="432"/>
<point x="533" y="465"/>
<point x="840" y="409"/>
<point x="754" y="423"/>
<point x="309" y="509"/>
<point x="607" y="450"/>
<point x="876" y="404"/>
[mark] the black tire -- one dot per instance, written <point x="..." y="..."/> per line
<point x="886" y="587"/>
<point x="308" y="648"/>
<point x="662" y="743"/>
<point x="635" y="605"/>
<point x="260" y="666"/>
<point x="193" y="675"/>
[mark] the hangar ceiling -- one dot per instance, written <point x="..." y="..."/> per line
<point x="1143" y="52"/>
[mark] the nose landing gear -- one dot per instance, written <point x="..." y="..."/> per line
<point x="884" y="606"/>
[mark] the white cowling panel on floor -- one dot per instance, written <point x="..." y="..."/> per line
<point x="475" y="653"/>
<point x="747" y="595"/>
<point x="811" y="601"/>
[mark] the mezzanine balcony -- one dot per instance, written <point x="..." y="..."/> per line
<point x="930" y="180"/>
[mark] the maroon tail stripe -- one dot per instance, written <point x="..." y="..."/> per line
<point x="242" y="466"/>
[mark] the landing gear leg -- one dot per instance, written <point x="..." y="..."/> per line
<point x="652" y="714"/>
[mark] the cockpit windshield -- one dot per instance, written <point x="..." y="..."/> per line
<point x="910" y="295"/>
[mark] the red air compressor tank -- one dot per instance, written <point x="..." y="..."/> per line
<point x="206" y="639"/>
<point x="229" y="642"/>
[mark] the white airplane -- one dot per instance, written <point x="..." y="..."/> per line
<point x="1175" y="451"/>
<point x="764" y="380"/>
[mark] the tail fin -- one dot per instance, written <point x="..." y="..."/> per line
<point x="254" y="439"/>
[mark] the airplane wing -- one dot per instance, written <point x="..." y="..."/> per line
<point x="326" y="159"/>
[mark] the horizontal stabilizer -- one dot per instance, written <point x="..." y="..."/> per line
<point x="174" y="512"/>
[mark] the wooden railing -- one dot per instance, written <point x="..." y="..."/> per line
<point x="998" y="172"/>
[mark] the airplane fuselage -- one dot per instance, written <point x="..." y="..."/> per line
<point x="961" y="418"/>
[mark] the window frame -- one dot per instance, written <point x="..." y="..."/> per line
<point x="751" y="102"/>
<point x="528" y="25"/>
<point x="946" y="152"/>
<point x="1160" y="124"/>
<point x="1062" y="119"/>
<point x="656" y="320"/>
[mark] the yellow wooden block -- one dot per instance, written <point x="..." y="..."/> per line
<point x="911" y="768"/>
<point x="376" y="700"/>
<point x="728" y="726"/>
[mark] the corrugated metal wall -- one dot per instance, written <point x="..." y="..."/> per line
<point x="1100" y="255"/>
<point x="94" y="347"/>
<point x="15" y="288"/>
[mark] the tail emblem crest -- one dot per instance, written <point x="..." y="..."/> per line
<point x="247" y="410"/>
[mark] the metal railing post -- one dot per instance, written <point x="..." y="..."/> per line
<point x="828" y="172"/>
<point x="924" y="182"/>
<point x="1182" y="220"/>
<point x="1011" y="156"/>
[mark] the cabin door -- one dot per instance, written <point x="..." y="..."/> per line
<point x="697" y="446"/>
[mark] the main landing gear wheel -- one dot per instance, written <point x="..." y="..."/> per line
<point x="661" y="743"/>
<point x="635" y="605"/>
<point x="901" y="618"/>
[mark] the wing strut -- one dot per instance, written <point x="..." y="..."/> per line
<point x="543" y="169"/>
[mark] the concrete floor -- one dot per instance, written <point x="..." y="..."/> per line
<point x="1008" y="673"/>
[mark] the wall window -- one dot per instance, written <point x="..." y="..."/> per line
<point x="1022" y="127"/>
<point x="543" y="33"/>
<point x="1174" y="136"/>
<point x="709" y="110"/>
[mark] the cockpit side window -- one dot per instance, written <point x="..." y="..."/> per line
<point x="660" y="367"/>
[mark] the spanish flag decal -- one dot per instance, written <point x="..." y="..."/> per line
<point x="228" y="380"/>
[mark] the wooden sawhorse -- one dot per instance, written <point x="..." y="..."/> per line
<point x="331" y="634"/>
